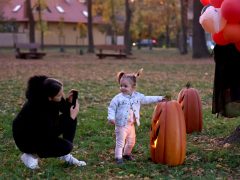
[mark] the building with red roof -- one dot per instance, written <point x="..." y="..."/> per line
<point x="61" y="19"/>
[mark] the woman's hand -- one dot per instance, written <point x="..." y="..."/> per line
<point x="74" y="111"/>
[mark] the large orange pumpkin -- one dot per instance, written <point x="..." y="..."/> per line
<point x="168" y="134"/>
<point x="192" y="107"/>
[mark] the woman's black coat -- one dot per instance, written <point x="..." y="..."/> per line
<point x="41" y="123"/>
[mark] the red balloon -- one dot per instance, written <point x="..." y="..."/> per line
<point x="216" y="3"/>
<point x="231" y="32"/>
<point x="205" y="2"/>
<point x="219" y="39"/>
<point x="237" y="45"/>
<point x="231" y="10"/>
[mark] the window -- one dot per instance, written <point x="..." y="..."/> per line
<point x="17" y="8"/>
<point x="60" y="9"/>
<point x="85" y="13"/>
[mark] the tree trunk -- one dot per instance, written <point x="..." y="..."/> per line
<point x="90" y="28"/>
<point x="31" y="21"/>
<point x="150" y="36"/>
<point x="167" y="36"/>
<point x="41" y="23"/>
<point x="200" y="49"/>
<point x="184" y="26"/>
<point x="113" y="23"/>
<point x="127" y="36"/>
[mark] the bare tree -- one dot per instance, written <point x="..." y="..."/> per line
<point x="127" y="36"/>
<point x="41" y="5"/>
<point x="184" y="26"/>
<point x="113" y="23"/>
<point x="199" y="41"/>
<point x="90" y="27"/>
<point x="31" y="21"/>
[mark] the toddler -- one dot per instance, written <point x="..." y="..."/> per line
<point x="123" y="112"/>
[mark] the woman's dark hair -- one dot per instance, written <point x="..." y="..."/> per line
<point x="40" y="87"/>
<point x="51" y="87"/>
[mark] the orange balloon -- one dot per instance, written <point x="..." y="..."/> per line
<point x="219" y="39"/>
<point x="231" y="32"/>
<point x="205" y="2"/>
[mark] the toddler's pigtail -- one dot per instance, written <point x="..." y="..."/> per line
<point x="120" y="75"/>
<point x="138" y="73"/>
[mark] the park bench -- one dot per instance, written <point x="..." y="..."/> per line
<point x="28" y="51"/>
<point x="117" y="51"/>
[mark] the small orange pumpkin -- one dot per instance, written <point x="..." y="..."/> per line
<point x="168" y="134"/>
<point x="191" y="104"/>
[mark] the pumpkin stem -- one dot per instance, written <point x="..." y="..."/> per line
<point x="188" y="85"/>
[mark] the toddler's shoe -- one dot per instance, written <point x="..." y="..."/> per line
<point x="119" y="160"/>
<point x="72" y="160"/>
<point x="30" y="161"/>
<point x="128" y="157"/>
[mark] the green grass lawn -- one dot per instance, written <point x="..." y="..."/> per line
<point x="165" y="72"/>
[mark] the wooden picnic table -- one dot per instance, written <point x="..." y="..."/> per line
<point x="28" y="51"/>
<point x="117" y="51"/>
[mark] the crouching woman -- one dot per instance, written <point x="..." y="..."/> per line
<point x="45" y="126"/>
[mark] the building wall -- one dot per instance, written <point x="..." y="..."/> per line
<point x="70" y="35"/>
<point x="52" y="36"/>
<point x="8" y="39"/>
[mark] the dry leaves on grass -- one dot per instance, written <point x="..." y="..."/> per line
<point x="71" y="66"/>
<point x="210" y="144"/>
<point x="194" y="171"/>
